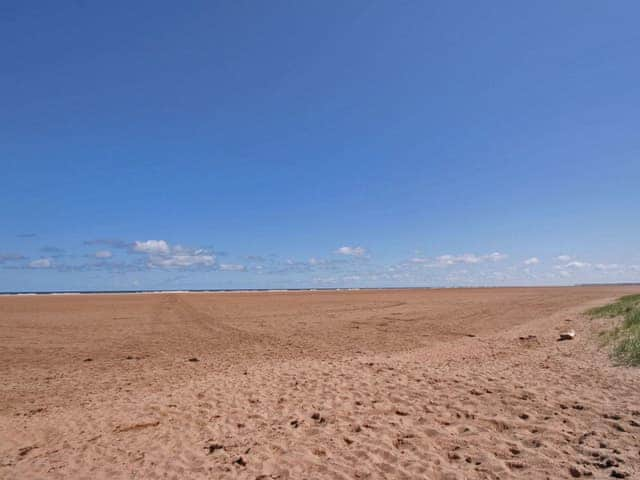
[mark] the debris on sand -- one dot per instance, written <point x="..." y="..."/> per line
<point x="618" y="474"/>
<point x="213" y="447"/>
<point x="570" y="335"/>
<point x="24" y="450"/>
<point x="240" y="461"/>
<point x="574" y="472"/>
<point x="88" y="360"/>
<point x="194" y="359"/>
<point x="318" y="418"/>
<point x="528" y="337"/>
<point x="136" y="426"/>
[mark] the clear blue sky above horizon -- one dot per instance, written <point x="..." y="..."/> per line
<point x="318" y="144"/>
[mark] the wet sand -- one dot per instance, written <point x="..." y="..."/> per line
<point x="442" y="384"/>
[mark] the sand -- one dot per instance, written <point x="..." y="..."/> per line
<point x="441" y="384"/>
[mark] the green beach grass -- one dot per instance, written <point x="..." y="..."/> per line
<point x="625" y="338"/>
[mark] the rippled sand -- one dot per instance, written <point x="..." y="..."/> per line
<point x="468" y="383"/>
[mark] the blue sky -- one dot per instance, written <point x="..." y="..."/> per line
<point x="318" y="144"/>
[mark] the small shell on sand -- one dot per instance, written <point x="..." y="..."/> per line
<point x="570" y="335"/>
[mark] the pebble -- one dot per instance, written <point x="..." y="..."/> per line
<point x="574" y="472"/>
<point x="240" y="461"/>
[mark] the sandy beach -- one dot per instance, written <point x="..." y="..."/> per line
<point x="437" y="384"/>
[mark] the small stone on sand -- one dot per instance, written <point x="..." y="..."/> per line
<point x="240" y="461"/>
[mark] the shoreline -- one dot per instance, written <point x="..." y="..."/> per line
<point x="294" y="290"/>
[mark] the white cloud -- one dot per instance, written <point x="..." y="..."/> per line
<point x="153" y="247"/>
<point x="572" y="265"/>
<point x="103" y="254"/>
<point x="607" y="266"/>
<point x="41" y="263"/>
<point x="419" y="260"/>
<point x="532" y="261"/>
<point x="232" y="267"/>
<point x="496" y="256"/>
<point x="577" y="265"/>
<point x="563" y="258"/>
<point x="353" y="251"/>
<point x="182" y="260"/>
<point x="469" y="258"/>
<point x="163" y="255"/>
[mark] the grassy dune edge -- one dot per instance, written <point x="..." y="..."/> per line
<point x="624" y="339"/>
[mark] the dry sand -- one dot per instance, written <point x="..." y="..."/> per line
<point x="435" y="384"/>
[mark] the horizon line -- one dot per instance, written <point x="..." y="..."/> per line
<point x="302" y="289"/>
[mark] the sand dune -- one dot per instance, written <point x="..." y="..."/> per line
<point x="442" y="384"/>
